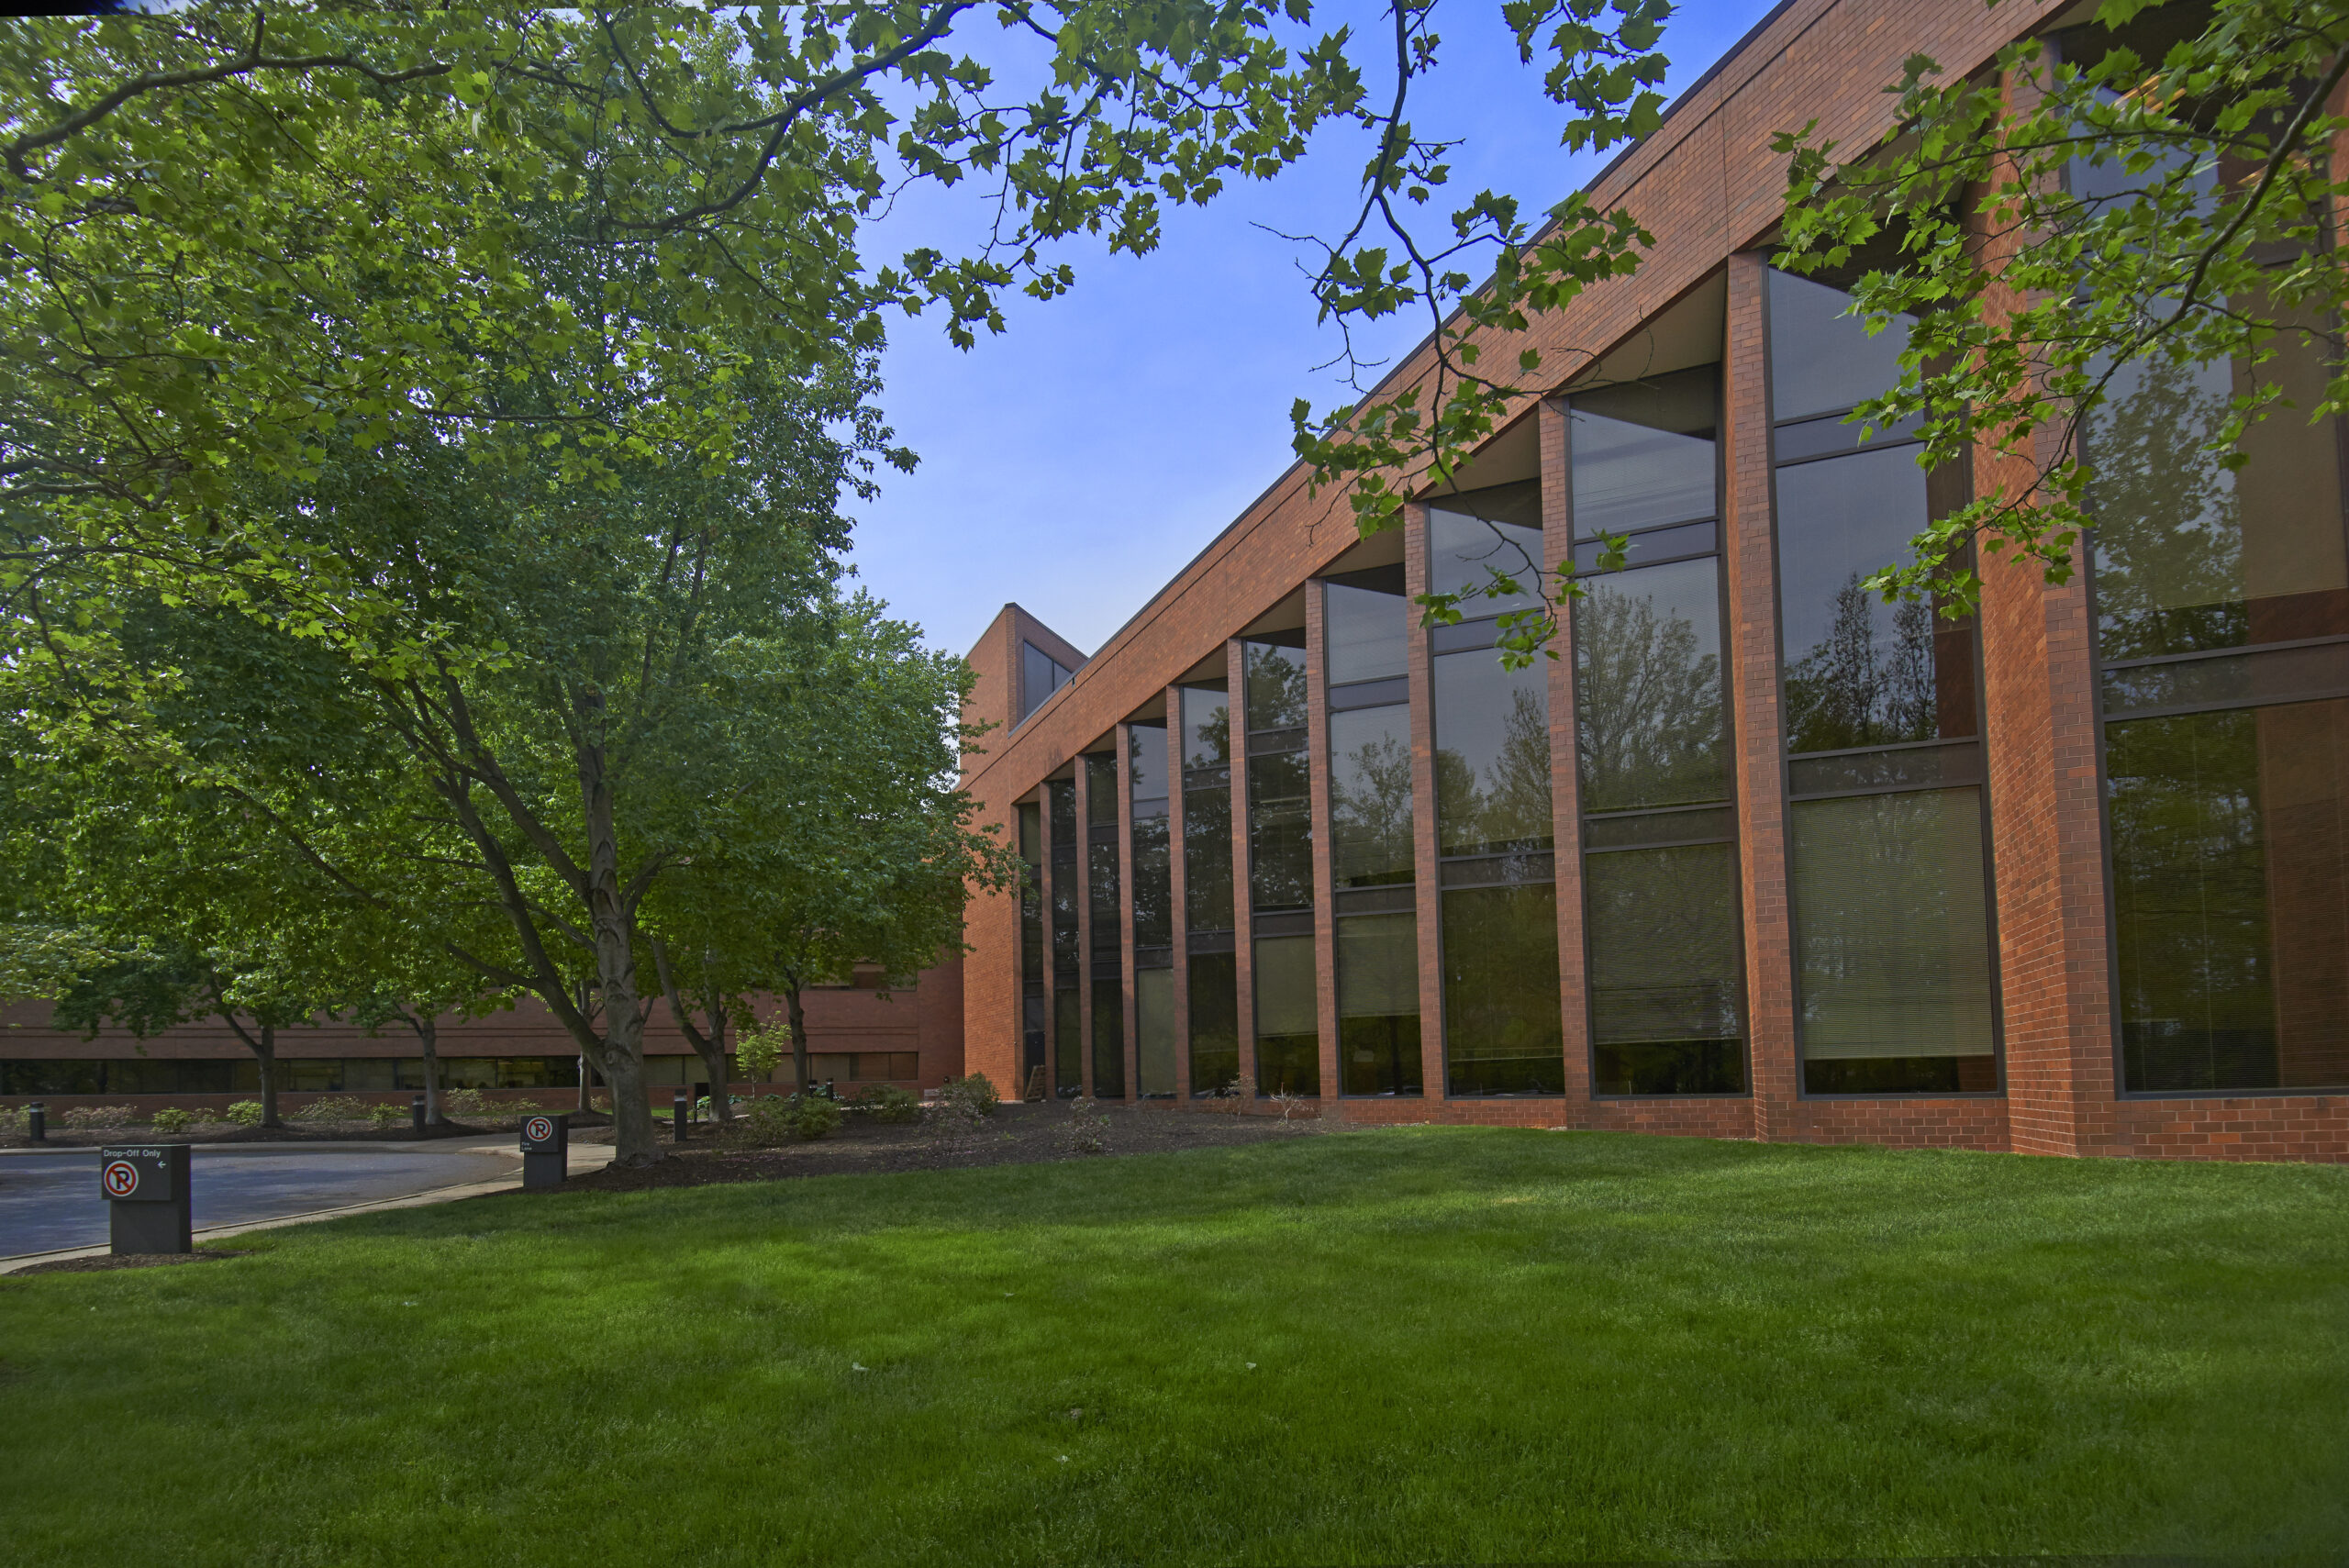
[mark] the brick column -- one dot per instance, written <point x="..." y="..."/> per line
<point x="1325" y="897"/>
<point x="1425" y="860"/>
<point x="1749" y="554"/>
<point x="1178" y="888"/>
<point x="1565" y="777"/>
<point x="1244" y="947"/>
<point x="1084" y="923"/>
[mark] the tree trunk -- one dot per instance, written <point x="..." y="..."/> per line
<point x="612" y="920"/>
<point x="266" y="1049"/>
<point x="718" y="1060"/>
<point x="798" y="1037"/>
<point x="428" y="1035"/>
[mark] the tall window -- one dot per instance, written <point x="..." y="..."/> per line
<point x="1887" y="855"/>
<point x="1280" y="866"/>
<point x="1040" y="676"/>
<point x="1068" y="1011"/>
<point x="1503" y="1031"/>
<point x="1146" y="763"/>
<point x="1105" y="908"/>
<point x="1208" y="892"/>
<point x="1365" y="618"/>
<point x="1660" y="874"/>
<point x="2222" y="628"/>
<point x="1032" y="1003"/>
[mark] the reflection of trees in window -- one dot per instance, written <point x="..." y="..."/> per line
<point x="1275" y="686"/>
<point x="1370" y="798"/>
<point x="1871" y="682"/>
<point x="1280" y="832"/>
<point x="1206" y="859"/>
<point x="2169" y="531"/>
<point x="1503" y="1031"/>
<point x="1649" y="696"/>
<point x="1506" y="804"/>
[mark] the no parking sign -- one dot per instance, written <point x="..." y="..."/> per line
<point x="137" y="1175"/>
<point x="147" y="1191"/>
<point x="546" y="1150"/>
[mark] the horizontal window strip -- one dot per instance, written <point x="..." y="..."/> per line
<point x="1884" y="769"/>
<point x="2309" y="672"/>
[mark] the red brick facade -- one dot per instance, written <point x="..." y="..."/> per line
<point x="1706" y="185"/>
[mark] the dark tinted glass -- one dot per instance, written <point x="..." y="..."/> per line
<point x="1214" y="1022"/>
<point x="1032" y="895"/>
<point x="1378" y="1004"/>
<point x="1206" y="859"/>
<point x="1206" y="729"/>
<point x="1068" y="1041"/>
<point x="1039" y="676"/>
<point x="1502" y="1031"/>
<point x="1146" y="760"/>
<point x="1650" y="724"/>
<point x="1666" y="1000"/>
<point x="1153" y="885"/>
<point x="1108" y="1039"/>
<point x="2230" y="831"/>
<point x="1101" y="789"/>
<point x="1280" y="832"/>
<point x="1892" y="942"/>
<point x="1821" y="360"/>
<point x="2190" y="555"/>
<point x="1860" y="672"/>
<point x="1060" y="801"/>
<point x="1471" y="536"/>
<point x="1643" y="453"/>
<point x="1366" y="632"/>
<point x="1276" y="685"/>
<point x="1288" y="1040"/>
<point x="1492" y="761"/>
<point x="1370" y="797"/>
<point x="1154" y="1032"/>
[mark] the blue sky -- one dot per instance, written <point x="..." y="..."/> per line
<point x="1075" y="462"/>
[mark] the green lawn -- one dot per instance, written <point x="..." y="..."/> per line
<point x="1456" y="1345"/>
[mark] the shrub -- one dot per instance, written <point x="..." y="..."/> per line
<point x="244" y="1113"/>
<point x="171" y="1119"/>
<point x="975" y="1092"/>
<point x="12" y="1119"/>
<point x="386" y="1116"/>
<point x="779" y="1119"/>
<point x="886" y="1102"/>
<point x="468" y="1102"/>
<point x="1086" y="1130"/>
<point x="100" y="1116"/>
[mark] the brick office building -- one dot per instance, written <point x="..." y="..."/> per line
<point x="1758" y="857"/>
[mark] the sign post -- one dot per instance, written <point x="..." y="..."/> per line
<point x="546" y="1150"/>
<point x="147" y="1191"/>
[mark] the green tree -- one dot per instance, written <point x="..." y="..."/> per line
<point x="2070" y="232"/>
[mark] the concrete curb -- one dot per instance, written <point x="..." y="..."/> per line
<point x="584" y="1159"/>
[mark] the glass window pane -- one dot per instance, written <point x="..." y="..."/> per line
<point x="1892" y="942"/>
<point x="1068" y="1041"/>
<point x="1502" y="1029"/>
<point x="1108" y="1039"/>
<point x="1154" y="1031"/>
<point x="1280" y="832"/>
<point x="1492" y="761"/>
<point x="1860" y="672"/>
<point x="1101" y="789"/>
<point x="1146" y="760"/>
<point x="1667" y="997"/>
<point x="1207" y="727"/>
<point x="1276" y="683"/>
<point x="1651" y="726"/>
<point x="1471" y="536"/>
<point x="1378" y="1004"/>
<point x="1643" y="453"/>
<point x="2229" y="854"/>
<point x="1153" y="885"/>
<point x="1366" y="630"/>
<point x="1060" y="799"/>
<point x="2191" y="556"/>
<point x="1039" y="676"/>
<point x="1206" y="859"/>
<point x="1215" y="1023"/>
<point x="1821" y="360"/>
<point x="1370" y="797"/>
<point x="1289" y="1037"/>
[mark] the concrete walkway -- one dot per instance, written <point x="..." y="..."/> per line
<point x="50" y="1207"/>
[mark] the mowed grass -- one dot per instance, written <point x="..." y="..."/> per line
<point x="1450" y="1345"/>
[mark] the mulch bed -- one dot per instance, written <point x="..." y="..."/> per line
<point x="108" y="1262"/>
<point x="1015" y="1135"/>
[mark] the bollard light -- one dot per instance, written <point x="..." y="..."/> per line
<point x="682" y="1109"/>
<point x="415" y="1113"/>
<point x="37" y="1122"/>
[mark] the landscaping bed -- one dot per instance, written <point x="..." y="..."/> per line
<point x="1015" y="1134"/>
